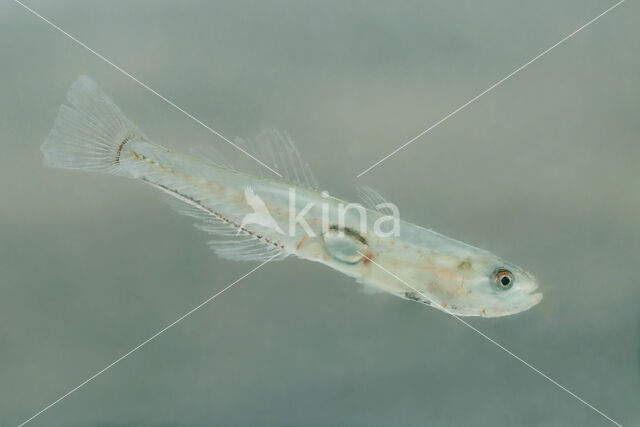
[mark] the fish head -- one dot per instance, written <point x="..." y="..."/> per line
<point x="482" y="284"/>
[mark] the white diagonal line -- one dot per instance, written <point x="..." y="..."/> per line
<point x="165" y="99"/>
<point x="490" y="88"/>
<point x="136" y="348"/>
<point x="500" y="346"/>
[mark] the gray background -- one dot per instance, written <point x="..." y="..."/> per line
<point x="542" y="171"/>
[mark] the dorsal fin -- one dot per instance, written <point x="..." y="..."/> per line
<point x="278" y="150"/>
<point x="211" y="155"/>
<point x="371" y="198"/>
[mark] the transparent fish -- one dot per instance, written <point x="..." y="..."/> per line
<point x="261" y="218"/>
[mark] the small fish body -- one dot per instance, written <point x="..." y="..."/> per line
<point x="261" y="218"/>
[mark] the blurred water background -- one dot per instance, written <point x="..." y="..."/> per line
<point x="543" y="171"/>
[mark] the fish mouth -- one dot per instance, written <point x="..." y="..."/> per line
<point x="525" y="298"/>
<point x="536" y="297"/>
<point x="534" y="300"/>
<point x="531" y="300"/>
<point x="531" y="297"/>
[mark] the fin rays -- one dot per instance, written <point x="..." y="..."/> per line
<point x="278" y="148"/>
<point x="241" y="246"/>
<point x="371" y="198"/>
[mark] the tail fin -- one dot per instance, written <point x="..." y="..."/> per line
<point x="91" y="134"/>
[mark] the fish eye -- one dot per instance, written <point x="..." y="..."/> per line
<point x="504" y="279"/>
